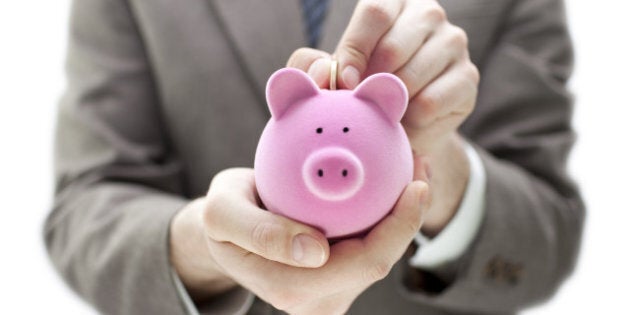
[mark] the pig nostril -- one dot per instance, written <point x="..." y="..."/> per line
<point x="345" y="129"/>
<point x="344" y="173"/>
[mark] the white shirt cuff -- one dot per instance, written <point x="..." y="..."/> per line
<point x="459" y="233"/>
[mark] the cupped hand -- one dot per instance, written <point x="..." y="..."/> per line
<point x="287" y="264"/>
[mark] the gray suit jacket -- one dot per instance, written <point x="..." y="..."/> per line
<point x="164" y="94"/>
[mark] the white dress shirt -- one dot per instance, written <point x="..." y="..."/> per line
<point x="455" y="238"/>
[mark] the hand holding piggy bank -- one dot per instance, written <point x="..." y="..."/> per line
<point x="336" y="160"/>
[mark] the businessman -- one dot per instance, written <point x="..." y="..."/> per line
<point x="156" y="209"/>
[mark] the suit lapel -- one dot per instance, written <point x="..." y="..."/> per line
<point x="263" y="33"/>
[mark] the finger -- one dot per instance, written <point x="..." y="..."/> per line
<point x="266" y="234"/>
<point x="356" y="262"/>
<point x="303" y="58"/>
<point x="369" y="22"/>
<point x="289" y="288"/>
<point x="315" y="63"/>
<point x="421" y="168"/>
<point x="450" y="97"/>
<point x="388" y="240"/>
<point x="442" y="49"/>
<point x="286" y="286"/>
<point x="353" y="263"/>
<point x="411" y="30"/>
<point x="234" y="217"/>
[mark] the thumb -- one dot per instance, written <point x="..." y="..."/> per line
<point x="399" y="227"/>
<point x="369" y="22"/>
<point x="351" y="66"/>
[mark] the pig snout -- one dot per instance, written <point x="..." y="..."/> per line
<point x="333" y="173"/>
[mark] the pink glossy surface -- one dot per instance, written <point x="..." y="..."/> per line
<point x="336" y="160"/>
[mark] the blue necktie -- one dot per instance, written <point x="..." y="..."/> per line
<point x="314" y="12"/>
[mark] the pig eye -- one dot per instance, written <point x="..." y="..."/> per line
<point x="319" y="130"/>
<point x="346" y="129"/>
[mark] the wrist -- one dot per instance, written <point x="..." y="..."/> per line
<point x="450" y="173"/>
<point x="190" y="257"/>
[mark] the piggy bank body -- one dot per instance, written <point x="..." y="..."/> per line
<point x="336" y="160"/>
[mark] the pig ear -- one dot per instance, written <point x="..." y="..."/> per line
<point x="286" y="87"/>
<point x="387" y="91"/>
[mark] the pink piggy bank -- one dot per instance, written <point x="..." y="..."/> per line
<point x="336" y="160"/>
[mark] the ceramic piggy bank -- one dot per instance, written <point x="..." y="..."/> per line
<point x="336" y="160"/>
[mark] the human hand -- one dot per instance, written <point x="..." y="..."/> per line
<point x="247" y="245"/>
<point x="414" y="40"/>
<point x="230" y="213"/>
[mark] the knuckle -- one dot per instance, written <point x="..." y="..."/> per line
<point x="378" y="11"/>
<point x="471" y="75"/>
<point x="222" y="174"/>
<point x="435" y="13"/>
<point x="356" y="53"/>
<point x="377" y="271"/>
<point x="458" y="37"/>
<point x="221" y="177"/>
<point x="473" y="72"/>
<point x="265" y="236"/>
<point x="429" y="103"/>
<point x="296" y="55"/>
<point x="390" y="51"/>
<point x="209" y="214"/>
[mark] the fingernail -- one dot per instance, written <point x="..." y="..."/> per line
<point x="307" y="251"/>
<point x="318" y="69"/>
<point x="350" y="77"/>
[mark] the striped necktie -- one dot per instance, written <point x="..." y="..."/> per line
<point x="314" y="12"/>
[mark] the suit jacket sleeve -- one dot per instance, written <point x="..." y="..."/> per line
<point x="117" y="181"/>
<point x="529" y="239"/>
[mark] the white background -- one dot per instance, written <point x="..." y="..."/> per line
<point x="32" y="44"/>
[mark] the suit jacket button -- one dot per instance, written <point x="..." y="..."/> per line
<point x="501" y="270"/>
